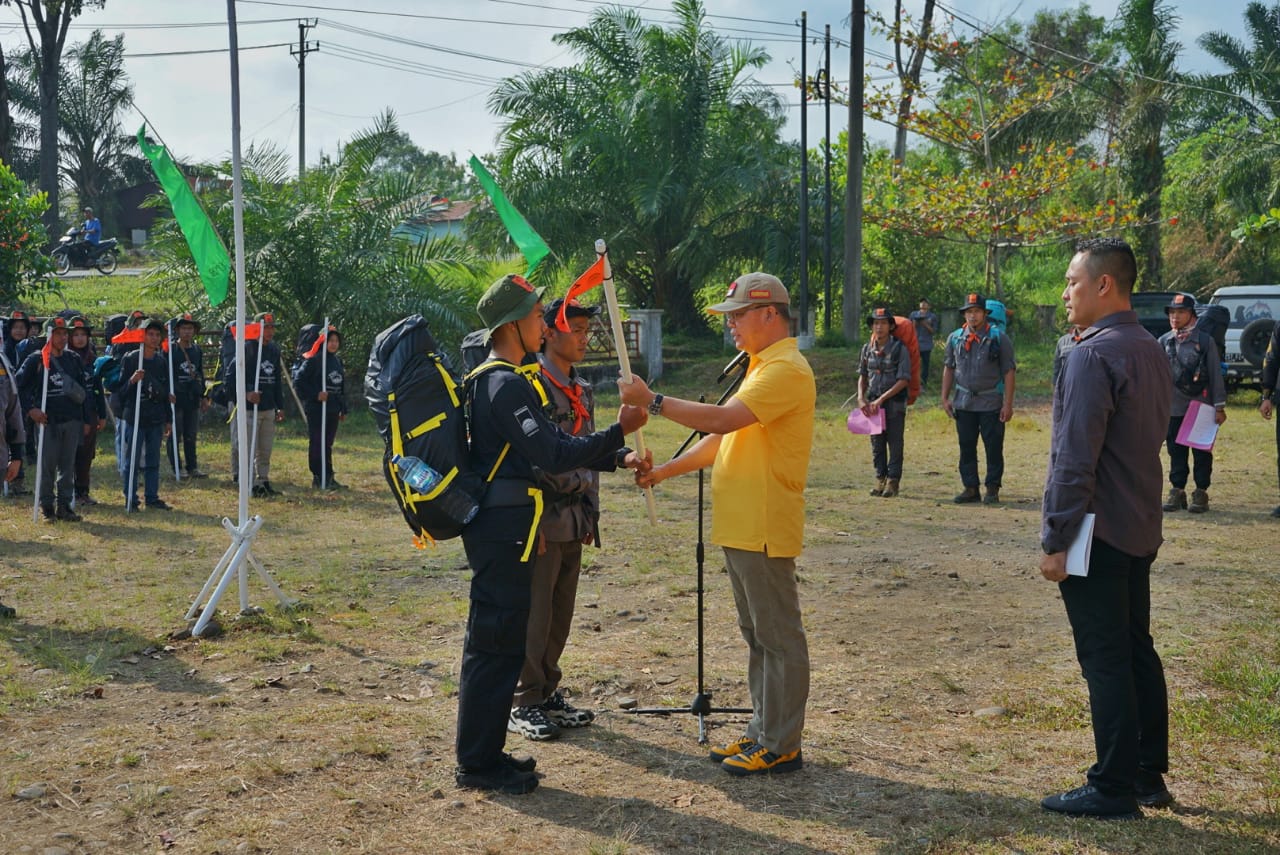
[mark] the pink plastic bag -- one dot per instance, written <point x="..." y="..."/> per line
<point x="860" y="424"/>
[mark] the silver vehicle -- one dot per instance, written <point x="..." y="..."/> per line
<point x="1254" y="310"/>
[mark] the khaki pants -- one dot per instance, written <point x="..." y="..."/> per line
<point x="764" y="590"/>
<point x="553" y="591"/>
<point x="260" y="466"/>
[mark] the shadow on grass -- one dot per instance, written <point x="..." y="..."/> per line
<point x="898" y="816"/>
<point x="87" y="658"/>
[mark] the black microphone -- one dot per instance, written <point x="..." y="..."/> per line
<point x="734" y="364"/>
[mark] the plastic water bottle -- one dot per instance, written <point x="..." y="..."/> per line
<point x="417" y="474"/>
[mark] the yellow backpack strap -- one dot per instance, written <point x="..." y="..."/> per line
<point x="533" y="529"/>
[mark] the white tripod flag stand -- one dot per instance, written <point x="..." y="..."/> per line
<point x="233" y="561"/>
<point x="624" y="359"/>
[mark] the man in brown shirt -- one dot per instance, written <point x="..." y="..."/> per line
<point x="1110" y="413"/>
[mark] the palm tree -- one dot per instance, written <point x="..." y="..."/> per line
<point x="323" y="245"/>
<point x="1149" y="94"/>
<point x="658" y="140"/>
<point x="1253" y="71"/>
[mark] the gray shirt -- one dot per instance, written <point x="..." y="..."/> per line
<point x="1195" y="359"/>
<point x="980" y="367"/>
<point x="1110" y="417"/>
<point x="924" y="335"/>
<point x="884" y="367"/>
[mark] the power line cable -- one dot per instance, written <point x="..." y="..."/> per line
<point x="194" y="52"/>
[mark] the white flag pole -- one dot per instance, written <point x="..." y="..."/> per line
<point x="132" y="487"/>
<point x="173" y="407"/>
<point x="324" y="405"/>
<point x="44" y="408"/>
<point x="624" y="359"/>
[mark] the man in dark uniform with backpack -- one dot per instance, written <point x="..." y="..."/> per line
<point x="1194" y="361"/>
<point x="188" y="392"/>
<point x="1270" y="376"/>
<point x="16" y="329"/>
<point x="510" y="435"/>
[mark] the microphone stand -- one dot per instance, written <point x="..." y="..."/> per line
<point x="701" y="703"/>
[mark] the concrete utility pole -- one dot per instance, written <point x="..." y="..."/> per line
<point x="803" y="326"/>
<point x="304" y="47"/>
<point x="852" y="304"/>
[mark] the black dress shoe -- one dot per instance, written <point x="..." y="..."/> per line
<point x="523" y="763"/>
<point x="503" y="779"/>
<point x="1151" y="790"/>
<point x="1087" y="801"/>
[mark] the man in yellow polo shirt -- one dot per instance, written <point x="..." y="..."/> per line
<point x="759" y="441"/>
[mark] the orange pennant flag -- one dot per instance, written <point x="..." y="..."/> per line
<point x="592" y="278"/>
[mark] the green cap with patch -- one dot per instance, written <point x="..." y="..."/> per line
<point x="509" y="299"/>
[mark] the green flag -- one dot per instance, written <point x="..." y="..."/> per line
<point x="207" y="250"/>
<point x="531" y="244"/>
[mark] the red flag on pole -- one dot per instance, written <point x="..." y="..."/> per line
<point x="593" y="278"/>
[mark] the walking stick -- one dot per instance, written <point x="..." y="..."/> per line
<point x="44" y="404"/>
<point x="324" y="405"/>
<point x="173" y="406"/>
<point x="257" y="390"/>
<point x="133" y="440"/>
<point x="624" y="360"/>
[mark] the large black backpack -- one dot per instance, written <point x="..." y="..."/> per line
<point x="1214" y="319"/>
<point x="307" y="337"/>
<point x="419" y="406"/>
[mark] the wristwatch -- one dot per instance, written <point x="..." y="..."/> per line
<point x="620" y="458"/>
<point x="655" y="406"/>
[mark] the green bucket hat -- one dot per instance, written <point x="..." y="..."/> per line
<point x="509" y="299"/>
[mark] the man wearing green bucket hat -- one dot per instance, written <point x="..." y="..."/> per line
<point x="510" y="435"/>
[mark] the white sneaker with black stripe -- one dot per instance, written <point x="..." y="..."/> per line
<point x="532" y="723"/>
<point x="564" y="714"/>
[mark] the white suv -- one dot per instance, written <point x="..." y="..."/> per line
<point x="1254" y="310"/>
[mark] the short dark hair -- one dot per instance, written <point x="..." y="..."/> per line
<point x="1111" y="256"/>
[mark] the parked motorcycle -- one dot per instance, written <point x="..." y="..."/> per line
<point x="73" y="251"/>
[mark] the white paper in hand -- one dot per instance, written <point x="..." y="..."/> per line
<point x="1080" y="548"/>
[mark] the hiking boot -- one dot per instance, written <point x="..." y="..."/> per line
<point x="65" y="514"/>
<point x="260" y="492"/>
<point x="732" y="749"/>
<point x="969" y="496"/>
<point x="523" y="763"/>
<point x="564" y="714"/>
<point x="84" y="500"/>
<point x="890" y="488"/>
<point x="1087" y="801"/>
<point x="8" y="612"/>
<point x="533" y="723"/>
<point x="131" y="506"/>
<point x="334" y="485"/>
<point x="992" y="497"/>
<point x="503" y="779"/>
<point x="1151" y="791"/>
<point x="1176" y="500"/>
<point x="271" y="491"/>
<point x="48" y="514"/>
<point x="158" y="505"/>
<point x="1199" y="501"/>
<point x="758" y="760"/>
<point x="878" y="489"/>
<point x="196" y="473"/>
<point x="16" y="488"/>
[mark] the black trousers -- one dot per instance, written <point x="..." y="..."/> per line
<point x="186" y="429"/>
<point x="492" y="653"/>
<point x="1178" y="468"/>
<point x="889" y="465"/>
<point x="924" y="366"/>
<point x="970" y="424"/>
<point x="1110" y="614"/>
<point x="320" y="437"/>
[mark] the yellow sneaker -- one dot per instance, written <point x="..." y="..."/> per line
<point x="742" y="743"/>
<point x="757" y="760"/>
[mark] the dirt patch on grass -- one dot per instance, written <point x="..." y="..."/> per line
<point x="945" y="700"/>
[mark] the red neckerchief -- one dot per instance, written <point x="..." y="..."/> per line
<point x="574" y="393"/>
<point x="1184" y="333"/>
<point x="974" y="338"/>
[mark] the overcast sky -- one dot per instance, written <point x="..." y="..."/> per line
<point x="435" y="61"/>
